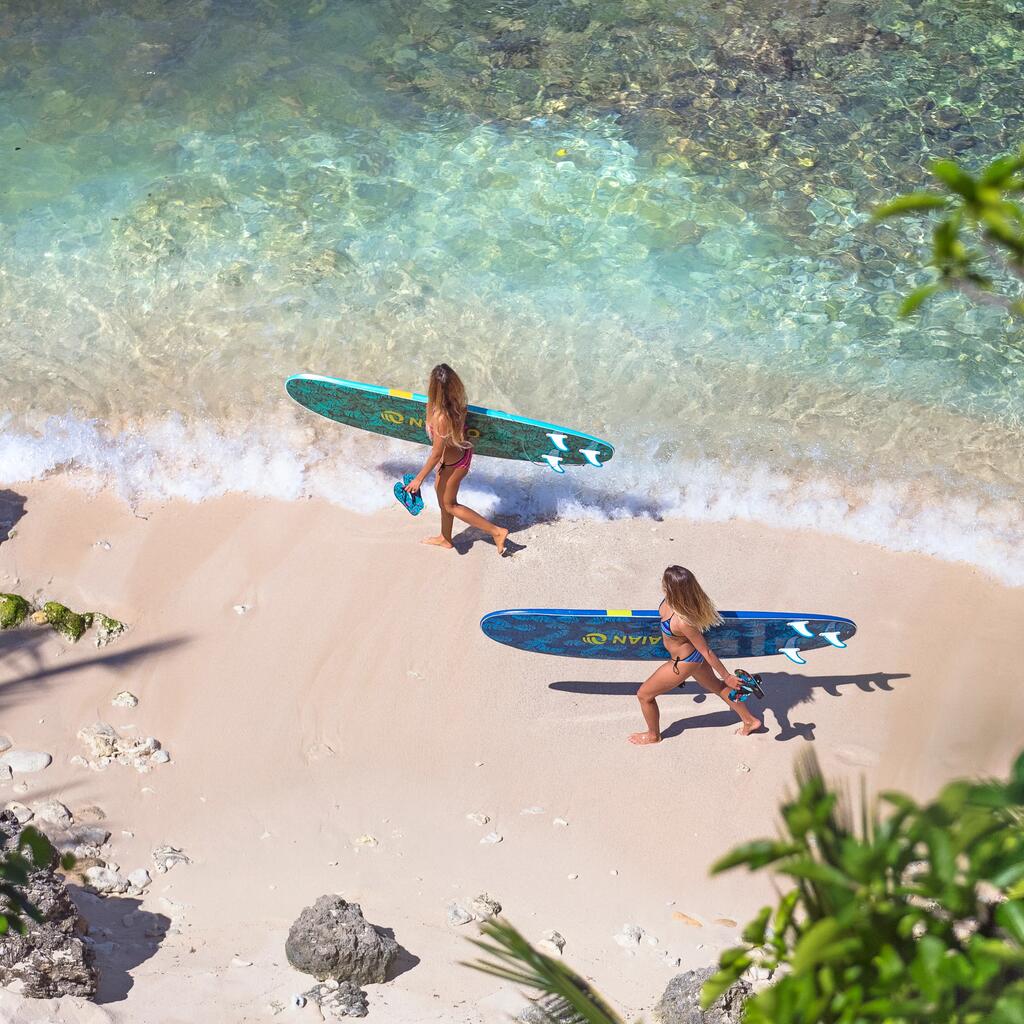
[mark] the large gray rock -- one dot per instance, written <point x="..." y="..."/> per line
<point x="50" y="959"/>
<point x="680" y="1003"/>
<point x="332" y="939"/>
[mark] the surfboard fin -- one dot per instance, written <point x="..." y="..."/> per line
<point x="801" y="628"/>
<point x="794" y="655"/>
<point x="833" y="639"/>
<point x="555" y="462"/>
<point x="558" y="440"/>
<point x="591" y="454"/>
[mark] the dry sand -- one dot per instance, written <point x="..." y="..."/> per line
<point x="356" y="696"/>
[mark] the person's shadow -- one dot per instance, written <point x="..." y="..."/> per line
<point x="783" y="692"/>
<point x="123" y="936"/>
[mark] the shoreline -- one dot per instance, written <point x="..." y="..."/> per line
<point x="349" y="700"/>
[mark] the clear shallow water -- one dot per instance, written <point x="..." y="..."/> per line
<point x="642" y="218"/>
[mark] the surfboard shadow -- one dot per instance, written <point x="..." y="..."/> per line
<point x="784" y="692"/>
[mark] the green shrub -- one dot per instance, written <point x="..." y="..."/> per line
<point x="911" y="915"/>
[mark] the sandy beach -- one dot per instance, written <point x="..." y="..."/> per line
<point x="332" y="720"/>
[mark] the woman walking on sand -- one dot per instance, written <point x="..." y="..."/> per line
<point x="686" y="613"/>
<point x="451" y="453"/>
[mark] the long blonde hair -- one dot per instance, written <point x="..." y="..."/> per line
<point x="446" y="404"/>
<point x="686" y="597"/>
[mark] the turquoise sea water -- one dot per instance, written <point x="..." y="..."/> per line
<point x="645" y="219"/>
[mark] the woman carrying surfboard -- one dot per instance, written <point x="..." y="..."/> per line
<point x="451" y="454"/>
<point x="686" y="613"/>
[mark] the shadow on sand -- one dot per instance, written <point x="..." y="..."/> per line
<point x="123" y="937"/>
<point x="783" y="692"/>
<point x="12" y="508"/>
<point x="22" y="650"/>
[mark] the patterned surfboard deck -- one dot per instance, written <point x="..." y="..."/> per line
<point x="609" y="633"/>
<point x="400" y="414"/>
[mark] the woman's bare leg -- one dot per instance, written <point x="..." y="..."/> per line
<point x="703" y="674"/>
<point x="450" y="504"/>
<point x="663" y="679"/>
<point x="444" y="538"/>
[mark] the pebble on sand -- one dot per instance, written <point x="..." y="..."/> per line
<point x="492" y="837"/>
<point x="726" y="922"/>
<point x="25" y="761"/>
<point x="477" y="818"/>
<point x="124" y="699"/>
<point x="552" y="943"/>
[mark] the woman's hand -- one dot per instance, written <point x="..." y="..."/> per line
<point x="414" y="485"/>
<point x="732" y="682"/>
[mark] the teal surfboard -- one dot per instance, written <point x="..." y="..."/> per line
<point x="400" y="414"/>
<point x="611" y="633"/>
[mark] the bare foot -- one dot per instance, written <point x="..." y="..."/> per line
<point x="499" y="539"/>
<point x="748" y="727"/>
<point x="438" y="542"/>
<point x="643" y="738"/>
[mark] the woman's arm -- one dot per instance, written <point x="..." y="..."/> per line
<point x="435" y="456"/>
<point x="696" y="637"/>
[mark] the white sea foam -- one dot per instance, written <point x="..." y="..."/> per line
<point x="287" y="459"/>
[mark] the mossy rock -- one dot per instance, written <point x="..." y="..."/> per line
<point x="71" y="625"/>
<point x="107" y="629"/>
<point x="13" y="610"/>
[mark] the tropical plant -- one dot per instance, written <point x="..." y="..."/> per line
<point x="912" y="915"/>
<point x="564" y="995"/>
<point x="979" y="237"/>
<point x="31" y="852"/>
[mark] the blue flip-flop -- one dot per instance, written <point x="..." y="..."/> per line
<point x="413" y="502"/>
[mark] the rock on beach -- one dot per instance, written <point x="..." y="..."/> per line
<point x="332" y="939"/>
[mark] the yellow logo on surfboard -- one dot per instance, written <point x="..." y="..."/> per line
<point x="620" y="638"/>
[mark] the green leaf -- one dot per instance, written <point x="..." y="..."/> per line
<point x="1010" y="915"/>
<point x="720" y="982"/>
<point x="956" y="178"/>
<point x="754" y="933"/>
<point x="912" y="202"/>
<point x="815" y="871"/>
<point x="814" y="942"/>
<point x="917" y="296"/>
<point x="1001" y="170"/>
<point x="757" y="854"/>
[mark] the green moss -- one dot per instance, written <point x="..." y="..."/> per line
<point x="13" y="610"/>
<point x="107" y="629"/>
<point x="69" y="624"/>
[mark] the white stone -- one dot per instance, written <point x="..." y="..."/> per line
<point x="560" y="822"/>
<point x="573" y="877"/>
<point x="125" y="699"/>
<point x="477" y="818"/>
<point x="240" y="609"/>
<point x="630" y="936"/>
<point x="366" y="840"/>
<point x="25" y="761"/>
<point x="5" y="773"/>
<point x="552" y="943"/>
<point x="160" y="757"/>
<point x="139" y="878"/>
<point x="742" y="769"/>
<point x="458" y="915"/>
<point x="165" y="857"/>
<point x="20" y="811"/>
<point x="237" y="961"/>
<point x="532" y="810"/>
<point x="613" y="872"/>
<point x="484" y="906"/>
<point x="53" y="812"/>
<point x="5" y="743"/>
<point x="105" y="879"/>
<point x="492" y="837"/>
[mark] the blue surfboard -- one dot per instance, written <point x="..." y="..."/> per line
<point x="611" y="633"/>
<point x="402" y="414"/>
